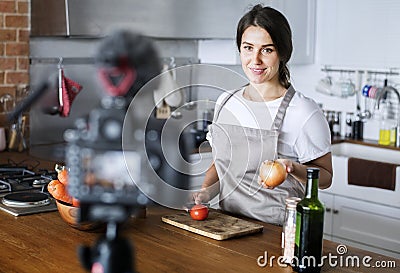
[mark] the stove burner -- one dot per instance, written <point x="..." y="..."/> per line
<point x="26" y="199"/>
<point x="24" y="191"/>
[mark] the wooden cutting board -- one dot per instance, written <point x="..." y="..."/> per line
<point x="217" y="226"/>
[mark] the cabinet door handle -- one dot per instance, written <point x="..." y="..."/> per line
<point x="335" y="211"/>
<point x="328" y="209"/>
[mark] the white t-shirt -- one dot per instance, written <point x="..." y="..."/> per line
<point x="304" y="135"/>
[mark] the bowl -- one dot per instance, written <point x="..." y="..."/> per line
<point x="70" y="213"/>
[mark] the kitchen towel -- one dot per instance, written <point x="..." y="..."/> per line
<point x="70" y="89"/>
<point x="369" y="173"/>
<point x="168" y="91"/>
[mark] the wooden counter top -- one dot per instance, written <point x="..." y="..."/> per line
<point x="26" y="159"/>
<point x="44" y="243"/>
<point x="366" y="142"/>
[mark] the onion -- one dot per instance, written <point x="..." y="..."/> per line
<point x="272" y="173"/>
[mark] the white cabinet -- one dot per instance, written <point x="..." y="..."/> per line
<point x="362" y="224"/>
<point x="345" y="29"/>
<point x="301" y="16"/>
<point x="327" y="200"/>
<point x="371" y="224"/>
<point x="360" y="216"/>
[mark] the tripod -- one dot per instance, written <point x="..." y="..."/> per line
<point x="110" y="254"/>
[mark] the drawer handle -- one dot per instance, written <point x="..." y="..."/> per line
<point x="328" y="209"/>
<point x="335" y="211"/>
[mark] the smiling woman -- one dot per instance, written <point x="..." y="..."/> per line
<point x="264" y="120"/>
<point x="260" y="60"/>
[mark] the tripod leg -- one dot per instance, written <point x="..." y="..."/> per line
<point x="110" y="254"/>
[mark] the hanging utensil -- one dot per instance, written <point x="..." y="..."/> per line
<point x="16" y="138"/>
<point x="60" y="86"/>
<point x="21" y="138"/>
<point x="6" y="103"/>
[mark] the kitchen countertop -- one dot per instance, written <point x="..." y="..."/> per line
<point x="26" y="159"/>
<point x="44" y="243"/>
<point x="366" y="142"/>
<point x="335" y="140"/>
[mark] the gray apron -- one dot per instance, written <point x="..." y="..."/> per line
<point x="238" y="153"/>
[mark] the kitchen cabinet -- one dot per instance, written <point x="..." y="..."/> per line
<point x="170" y="19"/>
<point x="366" y="217"/>
<point x="163" y="19"/>
<point x="301" y="16"/>
<point x="361" y="223"/>
<point x="49" y="17"/>
<point x="348" y="26"/>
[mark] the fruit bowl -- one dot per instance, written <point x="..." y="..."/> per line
<point x="69" y="214"/>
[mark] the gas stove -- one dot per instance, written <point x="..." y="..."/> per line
<point x="23" y="191"/>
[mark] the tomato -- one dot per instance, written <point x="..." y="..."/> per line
<point x="75" y="202"/>
<point x="59" y="192"/>
<point x="63" y="176"/>
<point x="199" y="212"/>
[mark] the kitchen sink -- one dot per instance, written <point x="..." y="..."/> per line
<point x="341" y="153"/>
<point x="366" y="152"/>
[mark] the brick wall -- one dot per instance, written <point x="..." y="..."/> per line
<point x="14" y="45"/>
<point x="14" y="50"/>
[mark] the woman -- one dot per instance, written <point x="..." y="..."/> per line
<point x="264" y="120"/>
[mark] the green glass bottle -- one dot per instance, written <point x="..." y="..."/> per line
<point x="309" y="227"/>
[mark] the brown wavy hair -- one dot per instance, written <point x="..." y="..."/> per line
<point x="278" y="28"/>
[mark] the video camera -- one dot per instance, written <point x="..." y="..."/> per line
<point x="114" y="153"/>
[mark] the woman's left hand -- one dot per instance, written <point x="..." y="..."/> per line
<point x="288" y="163"/>
<point x="274" y="173"/>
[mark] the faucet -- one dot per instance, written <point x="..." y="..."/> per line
<point x="382" y="93"/>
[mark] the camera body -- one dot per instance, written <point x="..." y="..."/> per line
<point x="98" y="176"/>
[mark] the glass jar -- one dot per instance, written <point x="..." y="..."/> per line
<point x="336" y="127"/>
<point x="387" y="127"/>
<point x="349" y="124"/>
<point x="289" y="229"/>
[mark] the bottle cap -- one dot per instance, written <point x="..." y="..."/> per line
<point x="292" y="201"/>
<point x="313" y="173"/>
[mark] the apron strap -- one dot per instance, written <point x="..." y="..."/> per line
<point x="277" y="124"/>
<point x="225" y="100"/>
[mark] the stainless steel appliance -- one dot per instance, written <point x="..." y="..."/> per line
<point x="23" y="191"/>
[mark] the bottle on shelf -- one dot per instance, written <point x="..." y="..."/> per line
<point x="358" y="127"/>
<point x="336" y="127"/>
<point x="349" y="124"/>
<point x="309" y="227"/>
<point x="387" y="127"/>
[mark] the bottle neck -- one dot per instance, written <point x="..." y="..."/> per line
<point x="312" y="188"/>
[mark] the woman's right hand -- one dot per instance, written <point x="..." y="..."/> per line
<point x="201" y="197"/>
